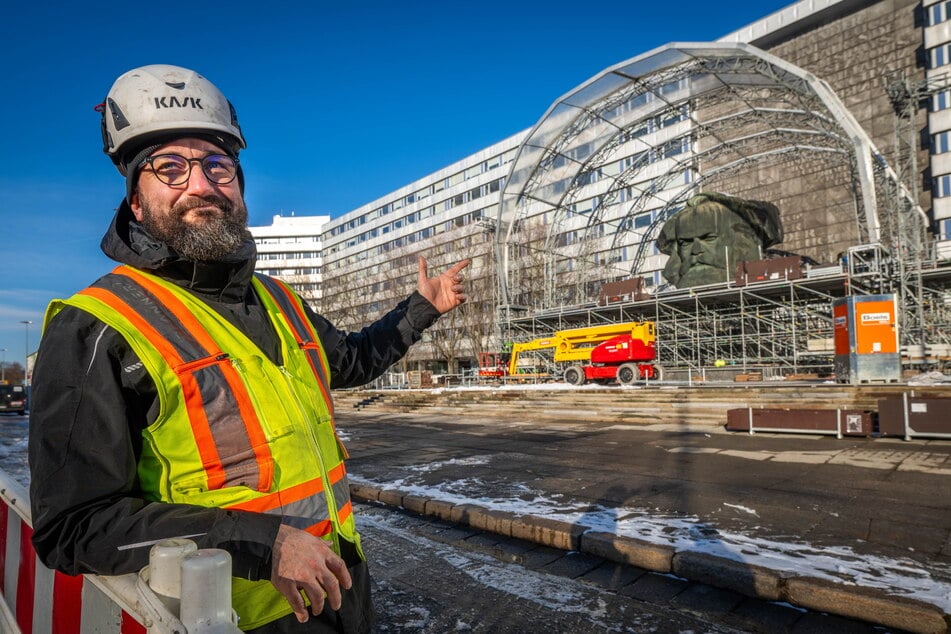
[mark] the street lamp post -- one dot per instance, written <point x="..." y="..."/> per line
<point x="3" y="369"/>
<point x="26" y="349"/>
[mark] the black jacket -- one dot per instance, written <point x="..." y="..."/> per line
<point x="91" y="399"/>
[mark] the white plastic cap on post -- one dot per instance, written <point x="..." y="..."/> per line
<point x="165" y="569"/>
<point x="206" y="593"/>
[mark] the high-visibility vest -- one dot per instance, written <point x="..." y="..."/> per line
<point x="228" y="415"/>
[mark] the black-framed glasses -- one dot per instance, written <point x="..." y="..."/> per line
<point x="173" y="169"/>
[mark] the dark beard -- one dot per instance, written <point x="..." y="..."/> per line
<point x="214" y="239"/>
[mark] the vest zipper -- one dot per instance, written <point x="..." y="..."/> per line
<point x="329" y="494"/>
<point x="204" y="362"/>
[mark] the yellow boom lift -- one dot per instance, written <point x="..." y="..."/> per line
<point x="621" y="352"/>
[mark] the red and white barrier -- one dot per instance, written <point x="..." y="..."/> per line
<point x="39" y="601"/>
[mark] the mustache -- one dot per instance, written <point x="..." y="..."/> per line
<point x="225" y="205"/>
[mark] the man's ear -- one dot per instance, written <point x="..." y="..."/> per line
<point x="135" y="206"/>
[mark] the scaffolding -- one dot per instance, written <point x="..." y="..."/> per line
<point x="777" y="328"/>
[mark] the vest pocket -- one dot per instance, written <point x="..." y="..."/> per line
<point x="320" y="419"/>
<point x="274" y="406"/>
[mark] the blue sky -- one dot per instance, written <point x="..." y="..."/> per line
<point x="340" y="102"/>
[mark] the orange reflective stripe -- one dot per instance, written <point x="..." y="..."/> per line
<point x="337" y="473"/>
<point x="291" y="494"/>
<point x="308" y="342"/>
<point x="324" y="527"/>
<point x="320" y="528"/>
<point x="207" y="449"/>
<point x="344" y="512"/>
<point x="280" y="498"/>
<point x="262" y="453"/>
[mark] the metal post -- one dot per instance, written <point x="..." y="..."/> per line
<point x="904" y="411"/>
<point x="3" y="363"/>
<point x="26" y="350"/>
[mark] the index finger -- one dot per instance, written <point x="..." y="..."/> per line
<point x="458" y="266"/>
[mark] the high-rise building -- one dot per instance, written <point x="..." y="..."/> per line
<point x="289" y="249"/>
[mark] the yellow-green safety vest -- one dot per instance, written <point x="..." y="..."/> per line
<point x="234" y="430"/>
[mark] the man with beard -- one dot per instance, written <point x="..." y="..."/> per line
<point x="183" y="395"/>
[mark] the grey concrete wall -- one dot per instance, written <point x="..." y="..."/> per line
<point x="852" y="53"/>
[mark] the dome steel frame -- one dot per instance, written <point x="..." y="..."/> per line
<point x="756" y="109"/>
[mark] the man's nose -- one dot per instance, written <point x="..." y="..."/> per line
<point x="198" y="183"/>
<point x="696" y="247"/>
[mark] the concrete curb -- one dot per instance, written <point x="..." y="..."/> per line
<point x="867" y="604"/>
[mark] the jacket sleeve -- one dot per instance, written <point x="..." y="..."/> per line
<point x="356" y="358"/>
<point x="91" y="398"/>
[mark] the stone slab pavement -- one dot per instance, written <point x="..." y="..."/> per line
<point x="854" y="527"/>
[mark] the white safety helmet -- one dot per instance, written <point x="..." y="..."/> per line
<point x="154" y="104"/>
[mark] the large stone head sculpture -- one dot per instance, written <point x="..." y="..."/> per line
<point x="712" y="233"/>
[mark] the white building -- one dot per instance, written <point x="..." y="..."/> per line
<point x="290" y="249"/>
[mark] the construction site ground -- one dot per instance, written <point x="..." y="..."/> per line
<point x="649" y="478"/>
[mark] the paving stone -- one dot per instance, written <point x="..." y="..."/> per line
<point x="548" y="532"/>
<point x="364" y="492"/>
<point x="818" y="623"/>
<point x="627" y="550"/>
<point x="514" y="550"/>
<point x="437" y="508"/>
<point x="415" y="503"/>
<point x="612" y="575"/>
<point x="655" y="588"/>
<point x="540" y="556"/>
<point x="707" y="599"/>
<point x="764" y="616"/>
<point x="499" y="522"/>
<point x="752" y="581"/>
<point x="573" y="565"/>
<point x="391" y="497"/>
<point x="462" y="513"/>
<point x="867" y="604"/>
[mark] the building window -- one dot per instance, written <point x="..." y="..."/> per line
<point x="941" y="142"/>
<point x="941" y="101"/>
<point x="939" y="13"/>
<point x="939" y="56"/>
<point x="944" y="229"/>
<point x="942" y="186"/>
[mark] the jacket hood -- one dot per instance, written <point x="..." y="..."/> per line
<point x="127" y="242"/>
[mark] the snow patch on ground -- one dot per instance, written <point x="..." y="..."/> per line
<point x="840" y="564"/>
<point x="745" y="509"/>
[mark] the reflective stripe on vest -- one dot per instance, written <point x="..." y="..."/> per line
<point x="303" y="331"/>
